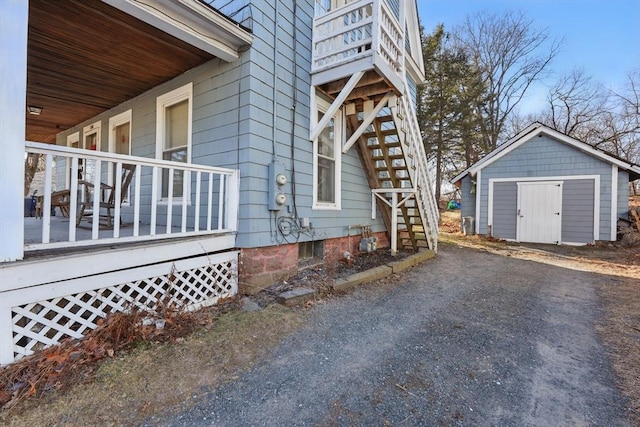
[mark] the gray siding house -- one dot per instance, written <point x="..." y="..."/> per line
<point x="200" y="148"/>
<point x="543" y="186"/>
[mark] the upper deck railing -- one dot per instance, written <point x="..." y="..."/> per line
<point x="361" y="35"/>
<point x="164" y="199"/>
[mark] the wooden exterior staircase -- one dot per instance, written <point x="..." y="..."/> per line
<point x="359" y="62"/>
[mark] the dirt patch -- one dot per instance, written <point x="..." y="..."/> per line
<point x="620" y="330"/>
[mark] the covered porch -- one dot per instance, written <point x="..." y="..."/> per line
<point x="128" y="230"/>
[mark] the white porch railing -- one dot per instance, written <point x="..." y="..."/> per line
<point x="362" y="29"/>
<point x="416" y="158"/>
<point x="149" y="211"/>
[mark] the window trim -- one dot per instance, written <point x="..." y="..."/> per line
<point x="115" y="121"/>
<point x="168" y="99"/>
<point x="93" y="128"/>
<point x="321" y="105"/>
<point x="71" y="138"/>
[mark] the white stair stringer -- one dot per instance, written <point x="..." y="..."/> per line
<point x="415" y="157"/>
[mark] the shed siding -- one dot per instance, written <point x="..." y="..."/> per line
<point x="623" y="194"/>
<point x="545" y="157"/>
<point x="233" y="127"/>
<point x="468" y="207"/>
<point x="505" y="205"/>
<point x="577" y="211"/>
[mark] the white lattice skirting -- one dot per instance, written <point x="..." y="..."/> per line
<point x="45" y="315"/>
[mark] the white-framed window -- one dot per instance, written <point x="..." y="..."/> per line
<point x="173" y="134"/>
<point x="327" y="150"/>
<point x="91" y="136"/>
<point x="73" y="141"/>
<point x="90" y="141"/>
<point x="120" y="143"/>
<point x="120" y="133"/>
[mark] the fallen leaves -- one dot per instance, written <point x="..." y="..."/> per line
<point x="75" y="361"/>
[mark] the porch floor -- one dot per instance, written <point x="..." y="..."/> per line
<point x="59" y="231"/>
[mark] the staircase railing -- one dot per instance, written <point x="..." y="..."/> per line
<point x="361" y="30"/>
<point x="418" y="167"/>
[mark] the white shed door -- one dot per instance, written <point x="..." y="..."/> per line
<point x="539" y="212"/>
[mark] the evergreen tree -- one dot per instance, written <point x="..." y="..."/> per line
<point x="449" y="104"/>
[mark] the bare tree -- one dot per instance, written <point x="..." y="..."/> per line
<point x="511" y="54"/>
<point x="576" y="103"/>
<point x="619" y="127"/>
<point x="32" y="163"/>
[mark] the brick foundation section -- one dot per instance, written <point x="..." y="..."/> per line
<point x="261" y="267"/>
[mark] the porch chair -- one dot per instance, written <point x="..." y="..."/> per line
<point x="107" y="203"/>
<point x="59" y="199"/>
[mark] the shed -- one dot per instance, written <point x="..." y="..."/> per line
<point x="543" y="186"/>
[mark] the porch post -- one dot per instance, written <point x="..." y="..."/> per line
<point x="14" y="16"/>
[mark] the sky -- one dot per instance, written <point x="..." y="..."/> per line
<point x="602" y="37"/>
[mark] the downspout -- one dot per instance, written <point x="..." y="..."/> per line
<point x="275" y="80"/>
<point x="294" y="107"/>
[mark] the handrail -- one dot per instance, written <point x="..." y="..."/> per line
<point x="419" y="174"/>
<point x="207" y="199"/>
<point x="40" y="148"/>
<point x="357" y="31"/>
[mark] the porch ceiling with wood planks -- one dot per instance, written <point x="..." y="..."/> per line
<point x="85" y="57"/>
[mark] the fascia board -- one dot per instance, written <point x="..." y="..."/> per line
<point x="191" y="22"/>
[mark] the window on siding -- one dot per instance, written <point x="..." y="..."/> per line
<point x="174" y="135"/>
<point x="120" y="143"/>
<point x="327" y="149"/>
<point x="90" y="141"/>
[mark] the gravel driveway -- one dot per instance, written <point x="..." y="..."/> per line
<point x="469" y="338"/>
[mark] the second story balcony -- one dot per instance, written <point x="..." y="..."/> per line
<point x="355" y="36"/>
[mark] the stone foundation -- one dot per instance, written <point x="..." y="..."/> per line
<point x="259" y="268"/>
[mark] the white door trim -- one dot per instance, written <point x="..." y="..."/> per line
<point x="557" y="232"/>
<point x="614" y="202"/>
<point x="478" y="200"/>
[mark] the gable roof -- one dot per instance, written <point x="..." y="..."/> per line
<point x="538" y="129"/>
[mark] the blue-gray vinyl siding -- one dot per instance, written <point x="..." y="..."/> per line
<point x="244" y="119"/>
<point x="577" y="211"/>
<point x="623" y="194"/>
<point x="505" y="207"/>
<point x="394" y="5"/>
<point x="467" y="190"/>
<point x="468" y="198"/>
<point x="413" y="91"/>
<point x="543" y="157"/>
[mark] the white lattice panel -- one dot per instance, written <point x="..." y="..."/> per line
<point x="191" y="283"/>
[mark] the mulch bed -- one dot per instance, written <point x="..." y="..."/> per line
<point x="321" y="277"/>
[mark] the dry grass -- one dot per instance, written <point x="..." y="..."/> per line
<point x="157" y="376"/>
<point x="620" y="331"/>
<point x="450" y="221"/>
